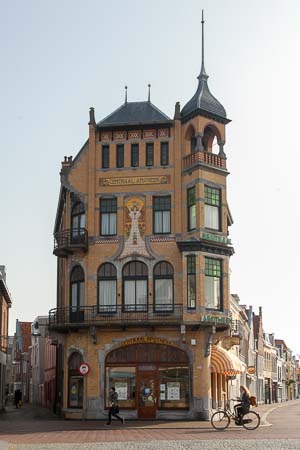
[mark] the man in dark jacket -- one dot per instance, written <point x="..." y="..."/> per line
<point x="114" y="407"/>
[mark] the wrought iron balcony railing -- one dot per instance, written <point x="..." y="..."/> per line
<point x="198" y="158"/>
<point x="67" y="242"/>
<point x="108" y="316"/>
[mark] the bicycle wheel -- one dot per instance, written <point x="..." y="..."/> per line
<point x="251" y="420"/>
<point x="220" y="420"/>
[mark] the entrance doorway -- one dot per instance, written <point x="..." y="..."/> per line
<point x="147" y="394"/>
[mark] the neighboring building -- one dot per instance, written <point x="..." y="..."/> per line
<point x="270" y="368"/>
<point x="5" y="304"/>
<point x="259" y="347"/>
<point x="22" y="360"/>
<point x="141" y="236"/>
<point x="38" y="336"/>
<point x="251" y="373"/>
<point x="281" y="375"/>
<point x="50" y="374"/>
<point x="286" y="354"/>
<point x="9" y="376"/>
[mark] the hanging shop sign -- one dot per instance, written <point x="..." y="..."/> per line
<point x="251" y="370"/>
<point x="84" y="368"/>
<point x="209" y="318"/>
<point x="216" y="238"/>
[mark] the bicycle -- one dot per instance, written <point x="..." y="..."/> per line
<point x="220" y="420"/>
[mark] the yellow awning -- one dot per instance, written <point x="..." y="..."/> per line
<point x="225" y="362"/>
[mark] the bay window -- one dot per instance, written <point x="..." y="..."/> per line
<point x="213" y="283"/>
<point x="212" y="207"/>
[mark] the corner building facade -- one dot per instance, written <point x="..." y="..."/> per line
<point x="141" y="236"/>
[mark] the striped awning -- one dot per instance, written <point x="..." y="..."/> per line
<point x="225" y="362"/>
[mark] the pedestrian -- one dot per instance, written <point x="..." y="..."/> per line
<point x="114" y="406"/>
<point x="6" y="397"/>
<point x="242" y="408"/>
<point x="18" y="397"/>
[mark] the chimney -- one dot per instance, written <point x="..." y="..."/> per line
<point x="177" y="115"/>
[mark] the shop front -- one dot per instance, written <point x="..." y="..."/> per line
<point x="149" y="378"/>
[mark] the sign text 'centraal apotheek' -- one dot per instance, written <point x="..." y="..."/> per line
<point x="127" y="181"/>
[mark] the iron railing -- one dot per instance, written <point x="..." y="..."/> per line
<point x="68" y="241"/>
<point x="107" y="316"/>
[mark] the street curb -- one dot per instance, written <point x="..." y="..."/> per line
<point x="265" y="415"/>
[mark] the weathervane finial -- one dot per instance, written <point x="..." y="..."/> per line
<point x="202" y="73"/>
<point x="149" y="87"/>
<point x="125" y="94"/>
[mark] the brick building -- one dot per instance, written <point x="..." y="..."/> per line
<point x="5" y="304"/>
<point x="141" y="236"/>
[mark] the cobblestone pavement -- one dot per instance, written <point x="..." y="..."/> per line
<point x="36" y="429"/>
<point x="257" y="444"/>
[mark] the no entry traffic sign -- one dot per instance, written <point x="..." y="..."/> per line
<point x="84" y="369"/>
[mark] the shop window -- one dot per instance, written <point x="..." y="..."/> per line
<point x="123" y="379"/>
<point x="75" y="382"/>
<point x="135" y="286"/>
<point x="191" y="201"/>
<point x="163" y="287"/>
<point x="105" y="156"/>
<point x="77" y="294"/>
<point x="77" y="221"/>
<point x="174" y="387"/>
<point x="108" y="220"/>
<point x="120" y="155"/>
<point x="162" y="214"/>
<point x="212" y="287"/>
<point x="191" y="281"/>
<point x="107" y="288"/>
<point x="134" y="155"/>
<point x="212" y="200"/>
<point x="149" y="154"/>
<point x="164" y="153"/>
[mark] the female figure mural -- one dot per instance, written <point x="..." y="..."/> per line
<point x="134" y="244"/>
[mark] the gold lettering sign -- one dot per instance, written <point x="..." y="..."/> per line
<point x="163" y="179"/>
<point x="147" y="340"/>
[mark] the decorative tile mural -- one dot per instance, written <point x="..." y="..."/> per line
<point x="134" y="228"/>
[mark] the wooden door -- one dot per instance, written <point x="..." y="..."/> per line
<point x="147" y="395"/>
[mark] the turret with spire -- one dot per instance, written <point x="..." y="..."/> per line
<point x="203" y="102"/>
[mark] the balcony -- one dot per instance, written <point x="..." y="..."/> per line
<point x="67" y="242"/>
<point x="199" y="158"/>
<point x="68" y="317"/>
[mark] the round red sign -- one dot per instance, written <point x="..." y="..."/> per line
<point x="84" y="369"/>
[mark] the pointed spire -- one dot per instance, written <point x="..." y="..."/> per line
<point x="203" y="74"/>
<point x="126" y="95"/>
<point x="149" y="87"/>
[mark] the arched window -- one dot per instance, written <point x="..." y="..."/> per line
<point x="77" y="220"/>
<point x="107" y="288"/>
<point x="75" y="385"/>
<point x="77" y="294"/>
<point x="135" y="286"/>
<point x="163" y="286"/>
<point x="210" y="139"/>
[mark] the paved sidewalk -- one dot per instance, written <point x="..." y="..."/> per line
<point x="38" y="429"/>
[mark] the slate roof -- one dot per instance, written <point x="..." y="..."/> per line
<point x="204" y="101"/>
<point x="134" y="113"/>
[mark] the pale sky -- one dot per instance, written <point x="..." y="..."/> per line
<point x="58" y="58"/>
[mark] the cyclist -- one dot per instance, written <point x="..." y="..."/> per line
<point x="243" y="407"/>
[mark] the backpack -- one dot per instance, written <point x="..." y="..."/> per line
<point x="253" y="401"/>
